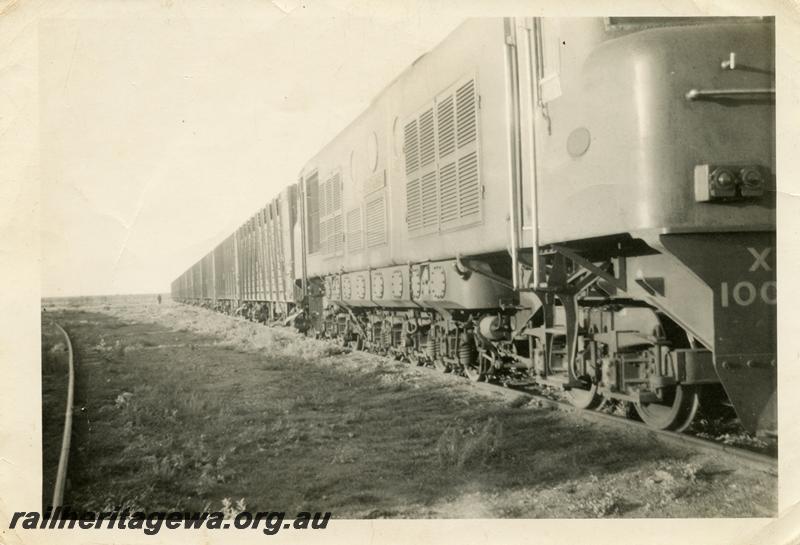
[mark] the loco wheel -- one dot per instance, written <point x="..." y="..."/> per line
<point x="587" y="399"/>
<point x="480" y="369"/>
<point x="676" y="413"/>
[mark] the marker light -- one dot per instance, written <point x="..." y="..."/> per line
<point x="752" y="182"/>
<point x="723" y="183"/>
<point x="727" y="182"/>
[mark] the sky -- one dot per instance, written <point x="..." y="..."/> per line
<point x="163" y="129"/>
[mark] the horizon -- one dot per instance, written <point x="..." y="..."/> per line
<point x="151" y="294"/>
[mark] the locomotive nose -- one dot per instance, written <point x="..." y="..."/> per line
<point x="740" y="315"/>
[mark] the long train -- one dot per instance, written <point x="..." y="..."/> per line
<point x="589" y="202"/>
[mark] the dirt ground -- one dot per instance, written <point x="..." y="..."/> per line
<point x="179" y="408"/>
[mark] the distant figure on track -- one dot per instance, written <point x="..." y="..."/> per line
<point x="159" y="298"/>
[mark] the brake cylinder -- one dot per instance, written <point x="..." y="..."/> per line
<point x="491" y="327"/>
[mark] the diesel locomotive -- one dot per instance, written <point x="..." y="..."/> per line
<point x="588" y="202"/>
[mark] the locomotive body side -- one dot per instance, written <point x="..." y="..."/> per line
<point x="378" y="224"/>
<point x="418" y="180"/>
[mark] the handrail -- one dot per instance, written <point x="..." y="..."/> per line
<point x="711" y="94"/>
<point x="535" y="68"/>
<point x="63" y="459"/>
<point x="514" y="144"/>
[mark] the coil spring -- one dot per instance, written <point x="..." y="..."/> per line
<point x="431" y="346"/>
<point x="408" y="334"/>
<point x="466" y="353"/>
<point x="386" y="333"/>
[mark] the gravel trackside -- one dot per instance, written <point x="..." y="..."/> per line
<point x="182" y="408"/>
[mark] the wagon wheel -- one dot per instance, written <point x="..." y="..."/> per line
<point x="413" y="356"/>
<point x="675" y="413"/>
<point x="587" y="399"/>
<point x="414" y="359"/>
<point x="480" y="369"/>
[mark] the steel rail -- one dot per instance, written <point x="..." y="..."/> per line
<point x="761" y="462"/>
<point x="63" y="459"/>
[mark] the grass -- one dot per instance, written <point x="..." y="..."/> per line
<point x="183" y="409"/>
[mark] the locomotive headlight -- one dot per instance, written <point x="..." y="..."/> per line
<point x="728" y="182"/>
<point x="752" y="182"/>
<point x="723" y="183"/>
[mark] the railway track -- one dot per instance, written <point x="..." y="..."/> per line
<point x="63" y="458"/>
<point x="748" y="458"/>
<point x="754" y="460"/>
